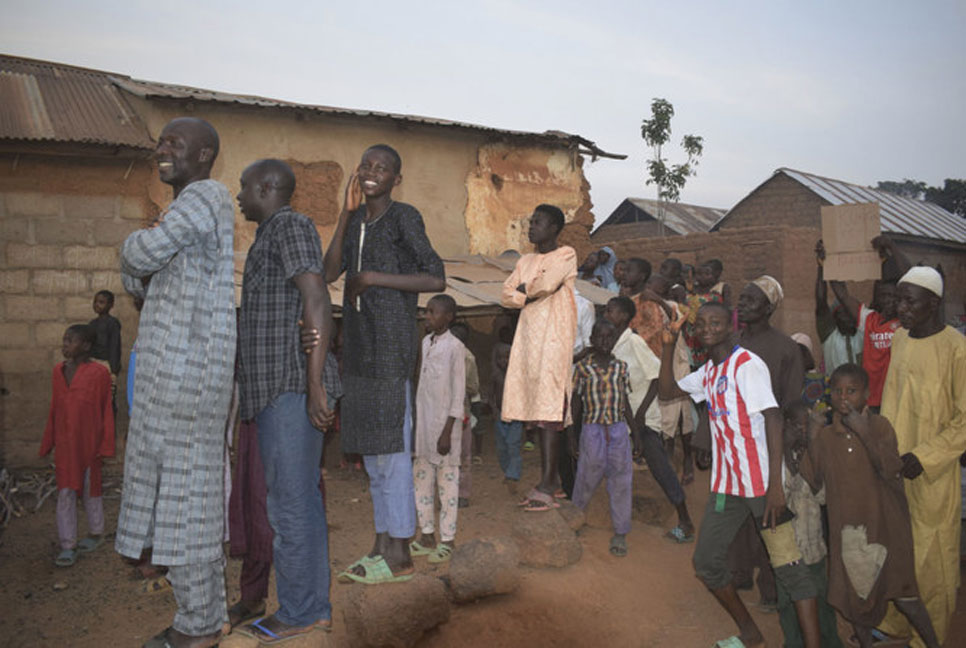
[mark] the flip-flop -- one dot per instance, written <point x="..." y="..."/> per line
<point x="559" y="494"/>
<point x="90" y="543"/>
<point x="679" y="535"/>
<point x="441" y="554"/>
<point x="66" y="558"/>
<point x="266" y="637"/>
<point x="379" y="572"/>
<point x="618" y="546"/>
<point x="417" y="549"/>
<point x="539" y="506"/>
<point x="344" y="576"/>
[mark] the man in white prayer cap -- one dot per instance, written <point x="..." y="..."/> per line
<point x="924" y="398"/>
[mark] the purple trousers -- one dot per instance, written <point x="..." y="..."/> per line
<point x="605" y="451"/>
<point x="249" y="531"/>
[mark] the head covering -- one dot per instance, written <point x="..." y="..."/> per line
<point x="804" y="340"/>
<point x="924" y="277"/>
<point x="772" y="289"/>
<point x="605" y="271"/>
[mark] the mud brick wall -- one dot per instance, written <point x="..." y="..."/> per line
<point x="59" y="241"/>
<point x="786" y="253"/>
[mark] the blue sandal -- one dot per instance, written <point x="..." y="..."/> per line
<point x="679" y="535"/>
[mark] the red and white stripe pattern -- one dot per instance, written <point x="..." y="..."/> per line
<point x="737" y="391"/>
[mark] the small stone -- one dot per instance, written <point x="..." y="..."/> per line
<point x="484" y="567"/>
<point x="60" y="586"/>
<point x="545" y="540"/>
<point x="395" y="614"/>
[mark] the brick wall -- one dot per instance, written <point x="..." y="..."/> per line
<point x="786" y="253"/>
<point x="779" y="201"/>
<point x="59" y="241"/>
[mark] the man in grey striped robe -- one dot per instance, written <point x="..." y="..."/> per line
<point x="173" y="494"/>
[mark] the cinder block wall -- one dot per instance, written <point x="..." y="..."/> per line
<point x="59" y="240"/>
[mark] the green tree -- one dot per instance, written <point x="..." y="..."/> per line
<point x="669" y="178"/>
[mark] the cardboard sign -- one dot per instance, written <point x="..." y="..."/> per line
<point x="847" y="231"/>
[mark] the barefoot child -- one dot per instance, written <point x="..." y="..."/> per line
<point x="643" y="369"/>
<point x="600" y="402"/>
<point x="856" y="459"/>
<point x="746" y="443"/>
<point x="439" y="431"/>
<point x="537" y="385"/>
<point x="107" y="347"/>
<point x="81" y="426"/>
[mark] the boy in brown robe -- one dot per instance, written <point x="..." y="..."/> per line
<point x="870" y="536"/>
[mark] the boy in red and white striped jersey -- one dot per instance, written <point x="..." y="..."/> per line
<point x="746" y="445"/>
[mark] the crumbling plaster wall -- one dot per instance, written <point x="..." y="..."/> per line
<point x="509" y="181"/>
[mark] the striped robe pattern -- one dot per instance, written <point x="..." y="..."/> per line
<point x="173" y="495"/>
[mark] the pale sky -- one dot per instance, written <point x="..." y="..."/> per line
<point x="860" y="91"/>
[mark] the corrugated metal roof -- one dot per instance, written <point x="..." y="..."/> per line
<point x="155" y="90"/>
<point x="899" y="215"/>
<point x="679" y="218"/>
<point x="682" y="217"/>
<point x="52" y="102"/>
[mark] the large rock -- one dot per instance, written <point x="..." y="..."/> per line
<point x="395" y="615"/>
<point x="545" y="540"/>
<point x="572" y="515"/>
<point x="651" y="509"/>
<point x="484" y="567"/>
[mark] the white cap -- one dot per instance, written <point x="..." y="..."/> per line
<point x="925" y="277"/>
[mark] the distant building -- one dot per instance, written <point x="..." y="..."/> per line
<point x="774" y="228"/>
<point x="641" y="217"/>
<point x="76" y="177"/>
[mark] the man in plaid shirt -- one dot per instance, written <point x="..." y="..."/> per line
<point x="282" y="390"/>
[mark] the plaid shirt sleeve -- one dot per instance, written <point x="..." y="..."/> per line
<point x="299" y="246"/>
<point x="147" y="251"/>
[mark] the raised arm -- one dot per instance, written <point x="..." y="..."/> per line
<point x="668" y="388"/>
<point x="888" y="249"/>
<point x="333" y="256"/>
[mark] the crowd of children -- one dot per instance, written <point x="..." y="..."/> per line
<point x="792" y="435"/>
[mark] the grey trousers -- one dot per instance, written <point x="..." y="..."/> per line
<point x="199" y="591"/>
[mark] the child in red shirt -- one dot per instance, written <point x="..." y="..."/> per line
<point x="81" y="426"/>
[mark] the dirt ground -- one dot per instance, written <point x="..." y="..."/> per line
<point x="650" y="598"/>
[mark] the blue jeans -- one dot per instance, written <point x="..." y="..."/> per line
<point x="291" y="451"/>
<point x="391" y="484"/>
<point x="660" y="466"/>
<point x="508" y="436"/>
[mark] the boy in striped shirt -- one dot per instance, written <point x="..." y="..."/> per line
<point x="746" y="444"/>
<point x="601" y="383"/>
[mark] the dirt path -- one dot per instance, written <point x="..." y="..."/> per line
<point x="650" y="598"/>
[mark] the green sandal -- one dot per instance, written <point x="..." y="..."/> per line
<point x="417" y="549"/>
<point x="441" y="554"/>
<point x="379" y="572"/>
<point x="345" y="576"/>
